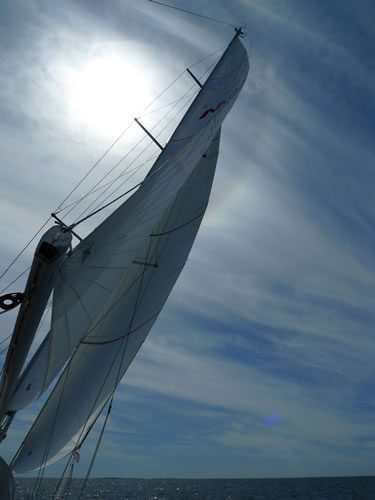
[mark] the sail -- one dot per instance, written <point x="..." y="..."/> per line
<point x="107" y="350"/>
<point x="99" y="264"/>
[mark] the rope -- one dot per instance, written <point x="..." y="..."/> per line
<point x="16" y="279"/>
<point x="94" y="190"/>
<point x="40" y="475"/>
<point x="59" y="207"/>
<point x="96" y="448"/>
<point x="127" y="154"/>
<point x="99" y="209"/>
<point x="123" y="345"/>
<point x="92" y="408"/>
<point x="174" y="103"/>
<point x="63" y="486"/>
<point x="66" y="484"/>
<point x="193" y="13"/>
<point x="94" y="166"/>
<point x="146" y="179"/>
<point x="103" y="177"/>
<point x="24" y="248"/>
<point x="119" y="176"/>
<point x="75" y="204"/>
<point x="207" y="57"/>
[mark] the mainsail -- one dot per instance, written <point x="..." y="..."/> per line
<point x="116" y="281"/>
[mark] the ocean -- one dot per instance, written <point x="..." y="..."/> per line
<point x="331" y="488"/>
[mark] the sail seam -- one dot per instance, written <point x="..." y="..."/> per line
<point x="178" y="227"/>
<point x="79" y="298"/>
<point x="122" y="336"/>
<point x="125" y="342"/>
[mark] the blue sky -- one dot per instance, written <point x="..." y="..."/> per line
<point x="261" y="363"/>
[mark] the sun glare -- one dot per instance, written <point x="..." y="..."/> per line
<point x="106" y="93"/>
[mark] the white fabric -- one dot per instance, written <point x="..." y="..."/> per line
<point x="105" y="353"/>
<point x="107" y="300"/>
<point x="100" y="262"/>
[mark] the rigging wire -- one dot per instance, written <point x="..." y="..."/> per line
<point x="40" y="475"/>
<point x="96" y="447"/>
<point x="161" y="108"/>
<point x="116" y="141"/>
<point x="125" y="340"/>
<point x="111" y="396"/>
<point x="123" y="346"/>
<point x="119" y="176"/>
<point x="191" y="66"/>
<point x="99" y="188"/>
<point x="207" y="57"/>
<point x="4" y="340"/>
<point x="192" y="13"/>
<point x="100" y="208"/>
<point x="43" y="464"/>
<point x="126" y="180"/>
<point x="44" y="460"/>
<point x="59" y="209"/>
<point x="5" y="349"/>
<point x="147" y="179"/>
<point x="174" y="103"/>
<point x="24" y="248"/>
<point x="111" y="184"/>
<point x="96" y="211"/>
<point x="94" y="166"/>
<point x="60" y="206"/>
<point x="16" y="279"/>
<point x="63" y="486"/>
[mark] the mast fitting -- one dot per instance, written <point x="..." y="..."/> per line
<point x="65" y="227"/>
<point x="240" y="30"/>
<point x="194" y="77"/>
<point x="148" y="133"/>
<point x="11" y="300"/>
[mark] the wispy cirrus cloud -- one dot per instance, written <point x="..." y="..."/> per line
<point x="273" y="315"/>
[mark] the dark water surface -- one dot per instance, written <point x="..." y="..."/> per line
<point x="333" y="488"/>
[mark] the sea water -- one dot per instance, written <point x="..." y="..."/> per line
<point x="332" y="488"/>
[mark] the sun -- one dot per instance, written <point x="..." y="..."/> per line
<point x="105" y="93"/>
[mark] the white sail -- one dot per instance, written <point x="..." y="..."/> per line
<point x="105" y="353"/>
<point x="101" y="262"/>
<point x="115" y="283"/>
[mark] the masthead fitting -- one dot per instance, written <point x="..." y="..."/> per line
<point x="240" y="30"/>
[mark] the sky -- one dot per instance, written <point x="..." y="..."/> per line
<point x="262" y="361"/>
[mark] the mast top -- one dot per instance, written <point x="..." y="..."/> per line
<point x="240" y="31"/>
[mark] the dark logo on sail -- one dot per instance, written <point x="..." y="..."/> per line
<point x="221" y="103"/>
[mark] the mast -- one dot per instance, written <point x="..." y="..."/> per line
<point x="49" y="256"/>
